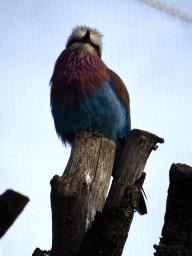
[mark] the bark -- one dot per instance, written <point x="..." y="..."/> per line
<point x="134" y="157"/>
<point x="80" y="191"/>
<point x="109" y="231"/>
<point x="38" y="252"/>
<point x="176" y="233"/>
<point x="11" y="205"/>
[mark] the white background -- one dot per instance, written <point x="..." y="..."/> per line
<point x="149" y="49"/>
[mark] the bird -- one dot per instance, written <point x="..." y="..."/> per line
<point x="88" y="96"/>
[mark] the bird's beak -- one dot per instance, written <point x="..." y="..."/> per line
<point x="86" y="38"/>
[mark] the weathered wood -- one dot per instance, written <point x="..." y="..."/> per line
<point x="80" y="191"/>
<point x="109" y="231"/>
<point x="176" y="233"/>
<point x="39" y="252"/>
<point x="131" y="165"/>
<point x="11" y="205"/>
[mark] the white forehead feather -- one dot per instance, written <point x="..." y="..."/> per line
<point x="79" y="31"/>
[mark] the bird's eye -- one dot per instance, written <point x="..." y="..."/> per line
<point x="72" y="42"/>
<point x="96" y="47"/>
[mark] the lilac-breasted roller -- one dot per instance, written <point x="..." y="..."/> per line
<point x="88" y="96"/>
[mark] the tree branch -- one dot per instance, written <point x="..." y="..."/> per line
<point x="38" y="252"/>
<point x="109" y="231"/>
<point x="176" y="234"/>
<point x="80" y="191"/>
<point x="134" y="157"/>
<point x="11" y="205"/>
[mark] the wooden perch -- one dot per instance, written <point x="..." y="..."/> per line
<point x="176" y="234"/>
<point x="109" y="231"/>
<point x="80" y="191"/>
<point x="38" y="252"/>
<point x="11" y="205"/>
<point x="135" y="154"/>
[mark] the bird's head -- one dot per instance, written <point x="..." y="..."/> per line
<point x="85" y="40"/>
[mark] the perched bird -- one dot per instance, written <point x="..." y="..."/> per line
<point x="88" y="96"/>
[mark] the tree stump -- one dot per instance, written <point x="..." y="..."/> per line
<point x="109" y="231"/>
<point x="177" y="230"/>
<point x="80" y="191"/>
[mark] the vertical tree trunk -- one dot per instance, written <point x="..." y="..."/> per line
<point x="80" y="191"/>
<point x="177" y="230"/>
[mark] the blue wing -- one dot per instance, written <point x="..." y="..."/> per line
<point x="102" y="112"/>
<point x="126" y="124"/>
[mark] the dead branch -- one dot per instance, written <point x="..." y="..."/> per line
<point x="80" y="191"/>
<point x="176" y="234"/>
<point x="11" y="205"/>
<point x="109" y="231"/>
